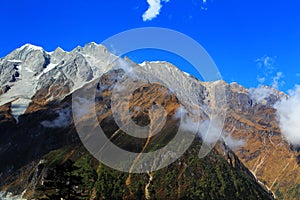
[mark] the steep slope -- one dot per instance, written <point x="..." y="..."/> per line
<point x="30" y="71"/>
<point x="53" y="164"/>
<point x="266" y="153"/>
<point x="43" y="157"/>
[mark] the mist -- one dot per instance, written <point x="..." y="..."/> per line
<point x="209" y="130"/>
<point x="288" y="113"/>
<point x="233" y="143"/>
<point x="63" y="119"/>
<point x="260" y="93"/>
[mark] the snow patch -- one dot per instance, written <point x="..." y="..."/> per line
<point x="49" y="67"/>
<point x="31" y="47"/>
<point x="20" y="93"/>
<point x="15" y="61"/>
<point x="186" y="73"/>
<point x="143" y="64"/>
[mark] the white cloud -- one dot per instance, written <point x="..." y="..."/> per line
<point x="260" y="93"/>
<point x="187" y="124"/>
<point x="261" y="80"/>
<point x="204" y="5"/>
<point x="263" y="92"/>
<point x="123" y="64"/>
<point x="269" y="76"/>
<point x="209" y="130"/>
<point x="267" y="63"/>
<point x="153" y="10"/>
<point x="63" y="119"/>
<point x="233" y="143"/>
<point x="288" y="112"/>
<point x="276" y="80"/>
<point x="81" y="106"/>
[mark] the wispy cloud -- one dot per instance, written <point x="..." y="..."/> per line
<point x="199" y="127"/>
<point x="287" y="109"/>
<point x="277" y="82"/>
<point x="261" y="80"/>
<point x="260" y="93"/>
<point x="288" y="112"/>
<point x="268" y="77"/>
<point x="233" y="143"/>
<point x="153" y="10"/>
<point x="267" y="63"/>
<point x="82" y="106"/>
<point x="204" y="5"/>
<point x="209" y="130"/>
<point x="63" y="119"/>
<point x="266" y="66"/>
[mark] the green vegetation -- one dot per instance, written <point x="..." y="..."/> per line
<point x="82" y="177"/>
<point x="109" y="184"/>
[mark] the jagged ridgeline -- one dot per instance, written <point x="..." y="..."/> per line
<point x="42" y="156"/>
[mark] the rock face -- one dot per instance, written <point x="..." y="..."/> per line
<point x="30" y="71"/>
<point x="265" y="153"/>
<point x="42" y="156"/>
<point x="51" y="163"/>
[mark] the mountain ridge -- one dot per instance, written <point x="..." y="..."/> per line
<point x="249" y="120"/>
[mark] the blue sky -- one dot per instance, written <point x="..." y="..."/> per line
<point x="246" y="39"/>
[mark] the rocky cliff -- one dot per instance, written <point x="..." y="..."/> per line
<point x="42" y="156"/>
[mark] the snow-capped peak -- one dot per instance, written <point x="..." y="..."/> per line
<point x="28" y="69"/>
<point x="153" y="62"/>
<point x="31" y="47"/>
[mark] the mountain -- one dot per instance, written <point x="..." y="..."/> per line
<point x="266" y="153"/>
<point x="43" y="157"/>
